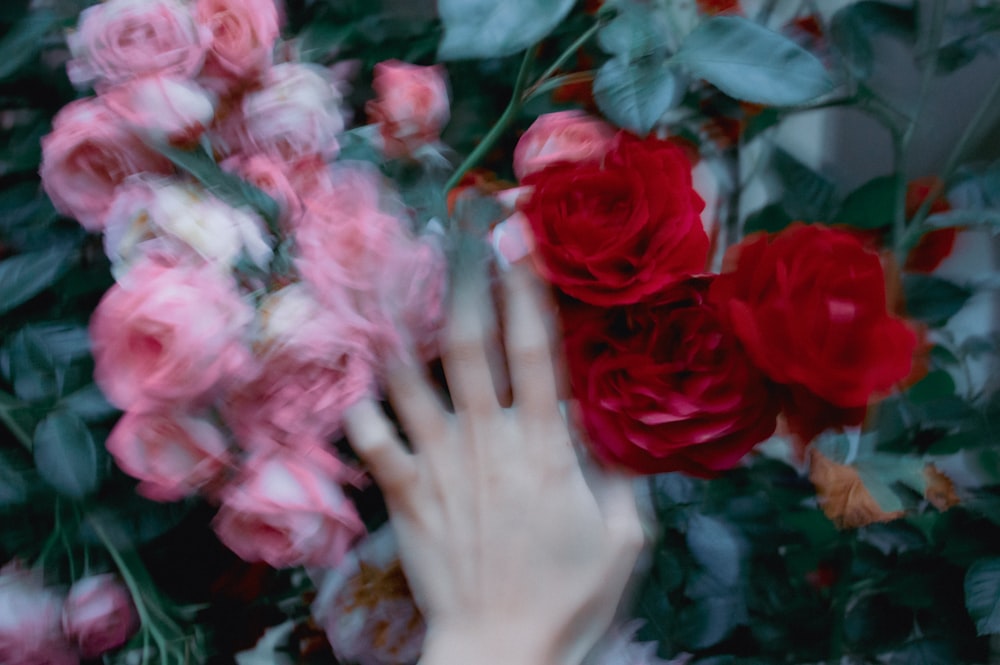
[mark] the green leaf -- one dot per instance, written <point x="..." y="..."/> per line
<point x="66" y="455"/>
<point x="31" y="370"/>
<point x="853" y="27"/>
<point x="13" y="488"/>
<point x="922" y="652"/>
<point x="230" y="188"/>
<point x="982" y="595"/>
<point x="933" y="299"/>
<point x="750" y="62"/>
<point x="968" y="219"/>
<point x="638" y="31"/>
<point x="635" y="96"/>
<point x="708" y="621"/>
<point x="489" y="29"/>
<point x="23" y="41"/>
<point x="24" y="276"/>
<point x="808" y="196"/>
<point x="89" y="404"/>
<point x="934" y="386"/>
<point x="771" y="219"/>
<point x="715" y="547"/>
<point x="870" y="206"/>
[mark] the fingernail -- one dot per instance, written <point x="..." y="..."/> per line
<point x="510" y="240"/>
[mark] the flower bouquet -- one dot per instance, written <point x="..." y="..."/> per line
<point x="223" y="221"/>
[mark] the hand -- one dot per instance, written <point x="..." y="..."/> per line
<point x="513" y="552"/>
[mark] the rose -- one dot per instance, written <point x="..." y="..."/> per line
<point x="809" y="305"/>
<point x="666" y="386"/>
<point x="163" y="108"/>
<point x="314" y="365"/>
<point x="29" y="621"/>
<point x="174" y="216"/>
<point x="293" y="115"/>
<point x="617" y="232"/>
<point x="411" y="105"/>
<point x="564" y="136"/>
<point x="243" y="37"/>
<point x="287" y="509"/>
<point x="172" y="454"/>
<point x="119" y="40"/>
<point x="87" y="155"/>
<point x="347" y="233"/>
<point x="366" y="608"/>
<point x="168" y="335"/>
<point x="99" y="615"/>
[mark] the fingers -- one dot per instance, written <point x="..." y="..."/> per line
<point x="374" y="440"/>
<point x="467" y="336"/>
<point x="416" y="403"/>
<point x="530" y="343"/>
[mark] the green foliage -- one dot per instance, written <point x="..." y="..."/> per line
<point x="487" y="29"/>
<point x="752" y="63"/>
<point x="870" y="206"/>
<point x="26" y="275"/>
<point x="854" y="26"/>
<point x="933" y="299"/>
<point x="66" y="455"/>
<point x="982" y="595"/>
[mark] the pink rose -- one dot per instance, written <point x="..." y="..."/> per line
<point x="564" y="136"/>
<point x="347" y="234"/>
<point x="365" y="606"/>
<point x="243" y="37"/>
<point x="314" y="365"/>
<point x="88" y="154"/>
<point x="118" y="40"/>
<point x="163" y="108"/>
<point x="29" y="621"/>
<point x="287" y="509"/>
<point x="168" y="334"/>
<point x="172" y="454"/>
<point x="99" y="615"/>
<point x="271" y="177"/>
<point x="411" y="105"/>
<point x="296" y="113"/>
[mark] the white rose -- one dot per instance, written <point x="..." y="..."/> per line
<point x="163" y="108"/>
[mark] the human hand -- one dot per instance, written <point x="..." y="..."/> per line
<point x="514" y="553"/>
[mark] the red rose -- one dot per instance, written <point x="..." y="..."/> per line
<point x="809" y="304"/>
<point x="666" y="386"/>
<point x="620" y="231"/>
<point x="934" y="246"/>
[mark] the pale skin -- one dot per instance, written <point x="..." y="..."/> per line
<point x="517" y="550"/>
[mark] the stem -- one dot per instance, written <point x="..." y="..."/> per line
<point x="561" y="60"/>
<point x="497" y="130"/>
<point x="558" y="81"/>
<point x="906" y="141"/>
<point x="15" y="429"/>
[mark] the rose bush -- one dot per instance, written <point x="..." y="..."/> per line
<point x="617" y="232"/>
<point x="665" y="385"/>
<point x="809" y="305"/>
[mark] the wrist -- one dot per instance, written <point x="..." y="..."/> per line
<point x="490" y="645"/>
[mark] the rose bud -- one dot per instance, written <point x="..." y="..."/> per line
<point x="99" y="615"/>
<point x="411" y="105"/>
<point x="564" y="136"/>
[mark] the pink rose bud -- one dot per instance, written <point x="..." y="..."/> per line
<point x="243" y="36"/>
<point x="271" y="177"/>
<point x="119" y="40"/>
<point x="99" y="615"/>
<point x="29" y="621"/>
<point x="411" y="105"/>
<point x="163" y="108"/>
<point x="89" y="153"/>
<point x="564" y="136"/>
<point x="295" y="114"/>
<point x="287" y="509"/>
<point x="172" y="454"/>
<point x="168" y="335"/>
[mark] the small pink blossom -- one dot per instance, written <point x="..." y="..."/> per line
<point x="564" y="136"/>
<point x="87" y="156"/>
<point x="271" y="177"/>
<point x="295" y="113"/>
<point x="243" y="36"/>
<point x="168" y="335"/>
<point x="30" y="631"/>
<point x="411" y="105"/>
<point x="172" y="454"/>
<point x="163" y="108"/>
<point x="287" y="509"/>
<point x="99" y="615"/>
<point x="313" y="365"/>
<point x="119" y="40"/>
